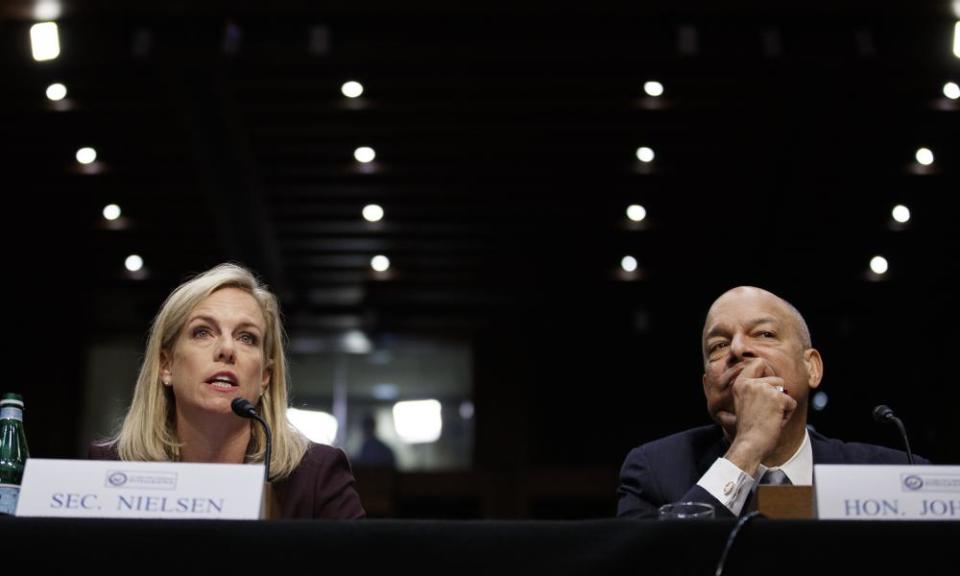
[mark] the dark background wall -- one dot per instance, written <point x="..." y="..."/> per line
<point x="505" y="143"/>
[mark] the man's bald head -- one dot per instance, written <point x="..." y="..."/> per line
<point x="795" y="318"/>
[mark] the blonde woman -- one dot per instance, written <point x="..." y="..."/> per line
<point x="219" y="336"/>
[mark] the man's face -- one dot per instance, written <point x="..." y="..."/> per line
<point x="749" y="325"/>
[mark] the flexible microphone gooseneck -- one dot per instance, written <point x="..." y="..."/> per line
<point x="884" y="415"/>
<point x="243" y="408"/>
<point x="731" y="538"/>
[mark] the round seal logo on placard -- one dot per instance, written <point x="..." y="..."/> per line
<point x="117" y="479"/>
<point x="913" y="482"/>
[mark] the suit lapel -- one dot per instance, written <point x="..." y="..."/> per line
<point x="824" y="451"/>
<point x="716" y="448"/>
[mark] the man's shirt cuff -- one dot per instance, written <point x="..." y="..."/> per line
<point x="728" y="484"/>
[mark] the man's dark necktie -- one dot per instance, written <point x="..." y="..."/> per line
<point x="769" y="478"/>
<point x="775" y="477"/>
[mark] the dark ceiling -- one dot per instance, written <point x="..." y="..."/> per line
<point x="505" y="142"/>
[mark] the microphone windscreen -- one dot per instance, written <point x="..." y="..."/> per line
<point x="882" y="413"/>
<point x="243" y="408"/>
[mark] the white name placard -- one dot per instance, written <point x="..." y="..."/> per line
<point x="845" y="492"/>
<point x="115" y="489"/>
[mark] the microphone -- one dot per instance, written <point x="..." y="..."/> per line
<point x="884" y="415"/>
<point x="244" y="409"/>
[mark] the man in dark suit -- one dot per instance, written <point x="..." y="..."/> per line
<point x="759" y="369"/>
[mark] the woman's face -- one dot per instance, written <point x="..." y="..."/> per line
<point x="218" y="355"/>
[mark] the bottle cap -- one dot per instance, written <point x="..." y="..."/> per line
<point x="11" y="399"/>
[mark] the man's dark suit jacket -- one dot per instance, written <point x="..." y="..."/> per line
<point x="667" y="470"/>
<point x="321" y="486"/>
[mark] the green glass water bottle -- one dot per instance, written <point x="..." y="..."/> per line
<point x="13" y="451"/>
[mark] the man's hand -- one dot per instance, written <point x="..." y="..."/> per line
<point x="762" y="411"/>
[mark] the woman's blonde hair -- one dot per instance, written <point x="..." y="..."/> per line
<point x="148" y="432"/>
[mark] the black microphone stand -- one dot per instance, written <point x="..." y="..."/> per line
<point x="884" y="414"/>
<point x="243" y="408"/>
